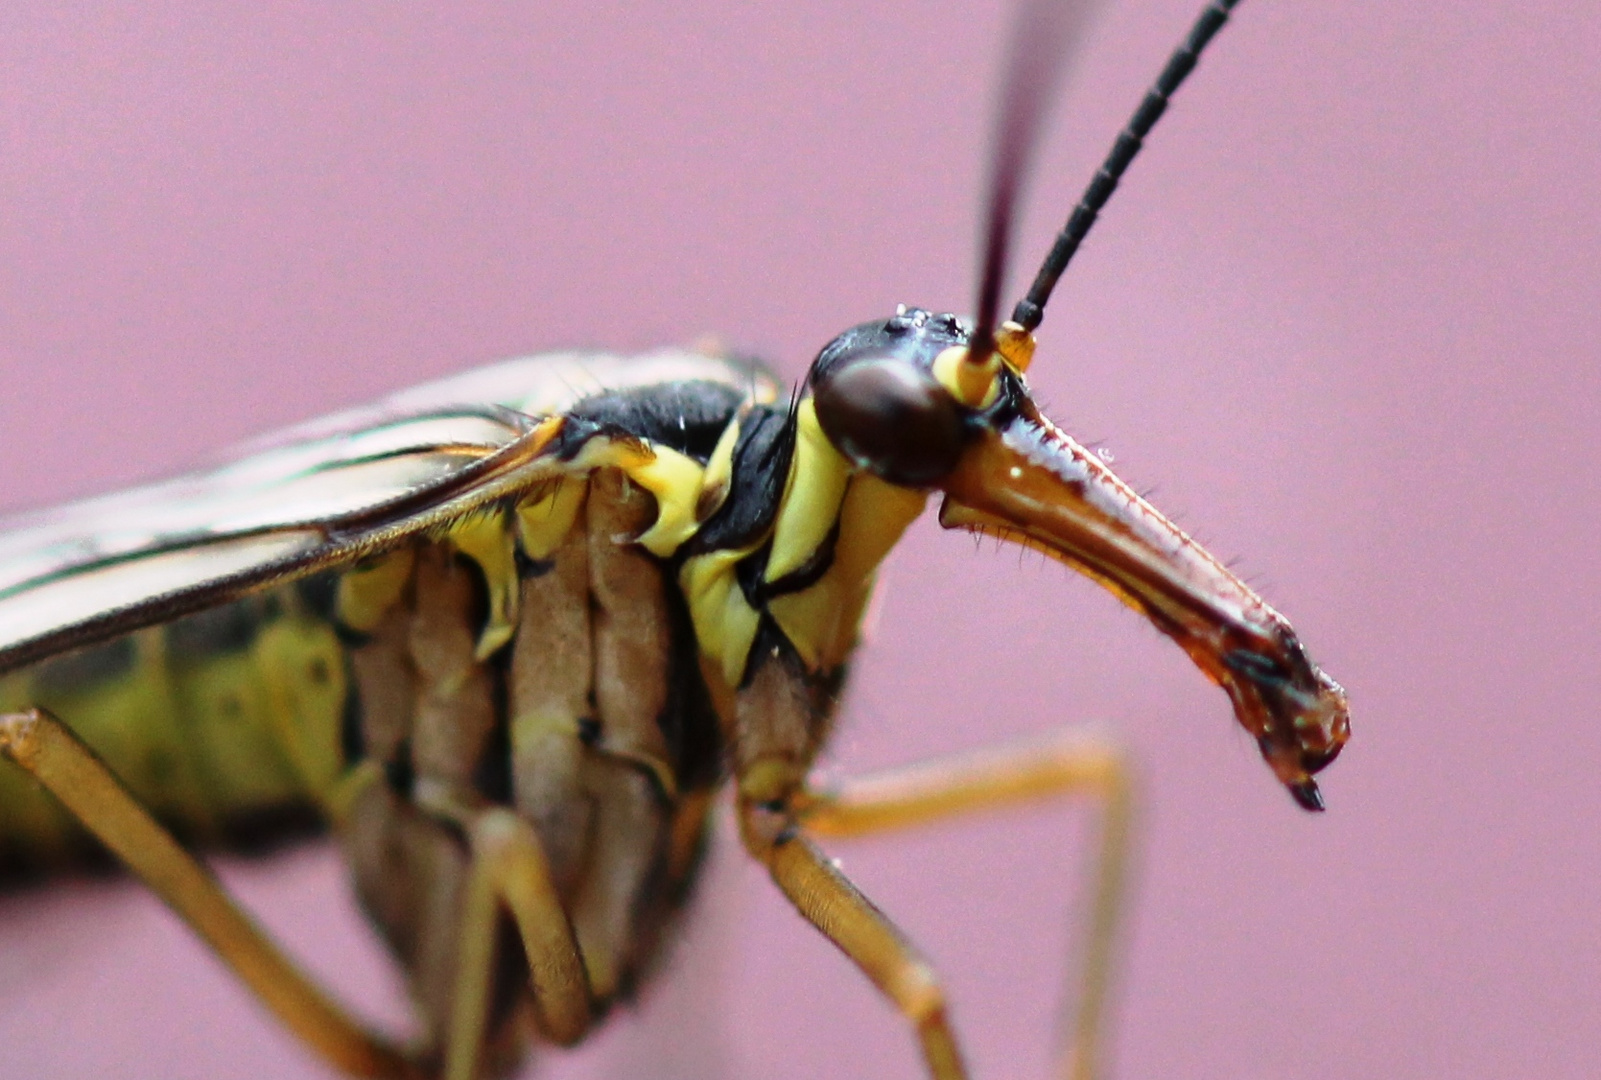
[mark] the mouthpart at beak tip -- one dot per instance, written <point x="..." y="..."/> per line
<point x="1307" y="796"/>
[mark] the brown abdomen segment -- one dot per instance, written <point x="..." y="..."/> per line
<point x="592" y="722"/>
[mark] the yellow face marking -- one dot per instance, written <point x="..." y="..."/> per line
<point x="812" y="497"/>
<point x="974" y="385"/>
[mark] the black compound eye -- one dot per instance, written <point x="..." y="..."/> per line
<point x="892" y="419"/>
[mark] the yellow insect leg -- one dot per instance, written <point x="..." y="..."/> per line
<point x="828" y="900"/>
<point x="1064" y="763"/>
<point x="510" y="874"/>
<point x="49" y="751"/>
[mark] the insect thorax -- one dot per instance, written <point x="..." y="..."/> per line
<point x="676" y="597"/>
<point x="598" y="654"/>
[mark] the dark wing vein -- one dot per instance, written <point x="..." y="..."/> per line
<point x="320" y="496"/>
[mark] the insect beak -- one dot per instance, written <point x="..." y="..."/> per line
<point x="1023" y="479"/>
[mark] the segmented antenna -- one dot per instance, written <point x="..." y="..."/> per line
<point x="1031" y="309"/>
<point x="1045" y="37"/>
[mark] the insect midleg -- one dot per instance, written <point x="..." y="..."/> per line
<point x="1064" y="763"/>
<point x="50" y="752"/>
<point x="829" y="901"/>
<point x="511" y="874"/>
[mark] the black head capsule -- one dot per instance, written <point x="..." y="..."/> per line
<point x="880" y="404"/>
<point x="907" y="400"/>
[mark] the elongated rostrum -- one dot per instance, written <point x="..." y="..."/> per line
<point x="665" y="587"/>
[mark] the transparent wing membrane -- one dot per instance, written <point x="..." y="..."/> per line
<point x="315" y="496"/>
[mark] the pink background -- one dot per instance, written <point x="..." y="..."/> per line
<point x="1345" y="315"/>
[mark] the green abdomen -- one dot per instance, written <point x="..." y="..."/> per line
<point x="224" y="724"/>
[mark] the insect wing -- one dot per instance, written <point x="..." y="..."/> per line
<point x="168" y="546"/>
<point x="551" y="383"/>
<point x="318" y="496"/>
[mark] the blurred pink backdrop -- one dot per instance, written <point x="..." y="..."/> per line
<point x="1345" y="316"/>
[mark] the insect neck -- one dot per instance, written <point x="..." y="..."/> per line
<point x="807" y="573"/>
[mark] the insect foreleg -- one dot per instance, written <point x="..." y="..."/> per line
<point x="1062" y="764"/>
<point x="510" y="874"/>
<point x="828" y="900"/>
<point x="49" y="751"/>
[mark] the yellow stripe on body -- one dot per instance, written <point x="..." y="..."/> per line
<point x="486" y="538"/>
<point x="544" y="521"/>
<point x="823" y="620"/>
<point x="725" y="624"/>
<point x="718" y="479"/>
<point x="303" y="664"/>
<point x="200" y="740"/>
<point x="812" y="496"/>
<point x="369" y="589"/>
<point x="814" y="490"/>
<point x="673" y="478"/>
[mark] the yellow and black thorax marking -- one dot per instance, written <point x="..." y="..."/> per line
<point x="256" y="711"/>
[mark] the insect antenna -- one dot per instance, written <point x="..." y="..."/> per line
<point x="1043" y="40"/>
<point x="1031" y="309"/>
